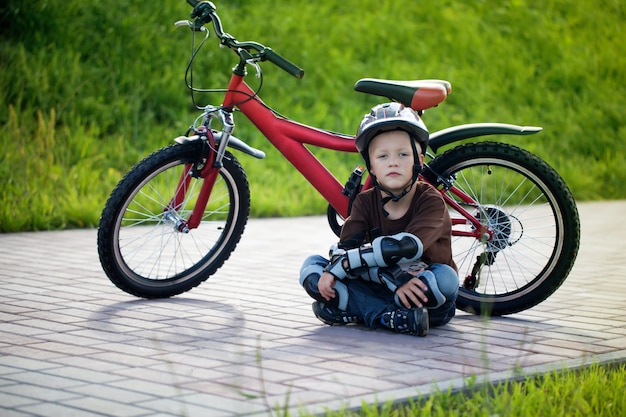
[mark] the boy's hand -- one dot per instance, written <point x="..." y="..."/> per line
<point x="411" y="294"/>
<point x="325" y="286"/>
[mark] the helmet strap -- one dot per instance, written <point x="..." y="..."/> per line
<point x="391" y="196"/>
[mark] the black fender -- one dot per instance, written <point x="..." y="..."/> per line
<point x="457" y="133"/>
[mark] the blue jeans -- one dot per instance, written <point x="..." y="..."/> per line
<point x="369" y="301"/>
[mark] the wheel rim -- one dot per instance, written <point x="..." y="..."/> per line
<point x="521" y="209"/>
<point x="148" y="246"/>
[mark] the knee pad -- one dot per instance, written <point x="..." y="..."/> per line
<point x="447" y="280"/>
<point x="309" y="279"/>
<point x="384" y="251"/>
<point x="434" y="294"/>
<point x="342" y="295"/>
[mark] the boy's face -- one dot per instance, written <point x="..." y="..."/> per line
<point x="391" y="160"/>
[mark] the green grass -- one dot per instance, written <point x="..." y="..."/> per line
<point x="89" y="88"/>
<point x="595" y="391"/>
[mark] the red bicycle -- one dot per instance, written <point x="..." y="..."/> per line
<point x="177" y="215"/>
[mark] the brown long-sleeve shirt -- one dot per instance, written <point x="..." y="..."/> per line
<point x="427" y="218"/>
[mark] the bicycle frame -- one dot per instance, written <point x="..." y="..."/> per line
<point x="290" y="138"/>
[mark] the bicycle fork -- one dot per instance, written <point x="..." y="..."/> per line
<point x="208" y="169"/>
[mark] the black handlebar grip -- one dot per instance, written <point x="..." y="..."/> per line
<point x="193" y="3"/>
<point x="283" y="63"/>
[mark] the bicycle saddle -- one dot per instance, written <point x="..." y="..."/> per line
<point x="416" y="94"/>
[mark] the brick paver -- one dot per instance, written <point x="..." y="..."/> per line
<point x="245" y="341"/>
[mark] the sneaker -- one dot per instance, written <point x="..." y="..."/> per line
<point x="414" y="321"/>
<point x="332" y="316"/>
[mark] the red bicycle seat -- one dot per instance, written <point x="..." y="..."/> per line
<point x="416" y="94"/>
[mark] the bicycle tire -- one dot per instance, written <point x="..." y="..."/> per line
<point x="535" y="220"/>
<point x="335" y="220"/>
<point x="140" y="248"/>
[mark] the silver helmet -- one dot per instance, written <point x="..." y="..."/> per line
<point x="387" y="117"/>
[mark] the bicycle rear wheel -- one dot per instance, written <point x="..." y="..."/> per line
<point x="140" y="246"/>
<point x="533" y="219"/>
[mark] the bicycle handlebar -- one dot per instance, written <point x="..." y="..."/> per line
<point x="283" y="63"/>
<point x="205" y="11"/>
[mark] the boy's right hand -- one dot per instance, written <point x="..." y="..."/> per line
<point x="325" y="286"/>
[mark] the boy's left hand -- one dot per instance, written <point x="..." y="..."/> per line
<point x="411" y="294"/>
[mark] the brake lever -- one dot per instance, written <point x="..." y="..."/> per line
<point x="191" y="25"/>
<point x="182" y="23"/>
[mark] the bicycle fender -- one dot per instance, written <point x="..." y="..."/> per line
<point x="457" y="133"/>
<point x="233" y="142"/>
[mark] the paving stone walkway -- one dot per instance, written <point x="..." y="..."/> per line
<point x="245" y="341"/>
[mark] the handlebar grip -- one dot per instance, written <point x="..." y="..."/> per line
<point x="284" y="63"/>
<point x="193" y="3"/>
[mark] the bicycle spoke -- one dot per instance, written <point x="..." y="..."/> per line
<point x="521" y="218"/>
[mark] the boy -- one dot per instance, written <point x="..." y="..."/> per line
<point x="393" y="266"/>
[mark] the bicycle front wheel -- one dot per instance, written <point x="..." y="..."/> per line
<point x="534" y="224"/>
<point x="140" y="243"/>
